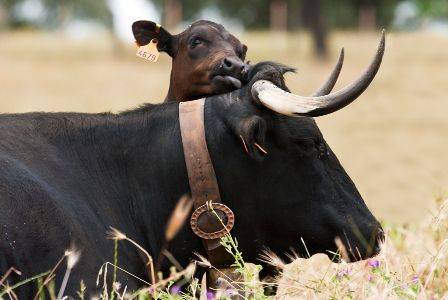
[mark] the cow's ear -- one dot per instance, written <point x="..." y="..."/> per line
<point x="145" y="31"/>
<point x="244" y="52"/>
<point x="250" y="130"/>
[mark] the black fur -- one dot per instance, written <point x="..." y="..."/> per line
<point x="66" y="177"/>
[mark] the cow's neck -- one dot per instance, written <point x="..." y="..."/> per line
<point x="178" y="92"/>
<point x="170" y="96"/>
<point x="139" y="158"/>
<point x="159" y="170"/>
<point x="148" y="172"/>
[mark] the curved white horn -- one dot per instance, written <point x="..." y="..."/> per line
<point x="289" y="104"/>
<point x="331" y="81"/>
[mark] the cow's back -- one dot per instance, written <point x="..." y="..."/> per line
<point x="47" y="198"/>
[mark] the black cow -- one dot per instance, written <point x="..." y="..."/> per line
<point x="66" y="177"/>
<point x="206" y="59"/>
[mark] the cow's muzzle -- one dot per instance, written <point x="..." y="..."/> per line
<point x="364" y="245"/>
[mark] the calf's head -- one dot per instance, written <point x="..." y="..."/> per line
<point x="206" y="59"/>
<point x="278" y="174"/>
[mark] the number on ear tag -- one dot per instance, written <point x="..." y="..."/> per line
<point x="149" y="51"/>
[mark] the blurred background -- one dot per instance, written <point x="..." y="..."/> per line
<point x="78" y="55"/>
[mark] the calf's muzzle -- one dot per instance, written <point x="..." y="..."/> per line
<point x="232" y="69"/>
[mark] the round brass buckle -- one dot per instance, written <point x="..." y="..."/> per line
<point x="217" y="207"/>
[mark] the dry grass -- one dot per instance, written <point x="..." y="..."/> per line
<point x="392" y="141"/>
<point x="413" y="264"/>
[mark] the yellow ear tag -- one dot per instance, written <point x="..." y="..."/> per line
<point x="149" y="51"/>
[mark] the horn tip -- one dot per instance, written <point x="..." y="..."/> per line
<point x="383" y="37"/>
<point x="342" y="54"/>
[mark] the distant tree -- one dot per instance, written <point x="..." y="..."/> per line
<point x="254" y="14"/>
<point x="360" y="13"/>
<point x="278" y="15"/>
<point x="60" y="11"/>
<point x="433" y="8"/>
<point x="313" y="19"/>
<point x="172" y="13"/>
<point x="176" y="11"/>
<point x="6" y="7"/>
<point x="367" y="13"/>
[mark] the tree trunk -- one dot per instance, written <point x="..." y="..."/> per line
<point x="367" y="16"/>
<point x="278" y="15"/>
<point x="173" y="14"/>
<point x="314" y="20"/>
<point x="5" y="15"/>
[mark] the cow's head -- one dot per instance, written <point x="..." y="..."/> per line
<point x="206" y="59"/>
<point x="298" y="189"/>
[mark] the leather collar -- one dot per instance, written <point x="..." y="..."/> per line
<point x="204" y="185"/>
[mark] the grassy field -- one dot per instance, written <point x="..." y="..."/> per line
<point x="392" y="141"/>
<point x="413" y="264"/>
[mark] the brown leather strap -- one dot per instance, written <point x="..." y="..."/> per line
<point x="203" y="184"/>
<point x="201" y="174"/>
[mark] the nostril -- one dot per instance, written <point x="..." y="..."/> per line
<point x="378" y="245"/>
<point x="380" y="235"/>
<point x="379" y="241"/>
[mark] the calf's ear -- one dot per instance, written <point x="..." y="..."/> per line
<point x="145" y="31"/>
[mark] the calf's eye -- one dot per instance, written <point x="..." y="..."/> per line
<point x="195" y="42"/>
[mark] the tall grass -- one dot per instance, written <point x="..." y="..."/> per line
<point x="413" y="264"/>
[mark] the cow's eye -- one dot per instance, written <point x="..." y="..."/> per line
<point x="312" y="146"/>
<point x="321" y="146"/>
<point x="195" y="42"/>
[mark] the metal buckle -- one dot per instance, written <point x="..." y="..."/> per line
<point x="206" y="208"/>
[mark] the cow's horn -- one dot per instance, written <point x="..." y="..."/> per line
<point x="289" y="104"/>
<point x="331" y="81"/>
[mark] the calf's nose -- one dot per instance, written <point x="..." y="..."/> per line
<point x="233" y="65"/>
